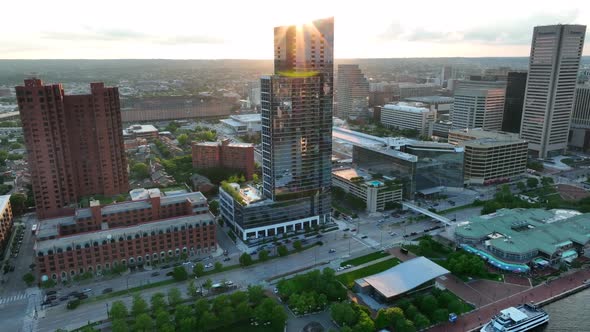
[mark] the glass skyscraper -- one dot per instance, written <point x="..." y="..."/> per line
<point x="296" y="104"/>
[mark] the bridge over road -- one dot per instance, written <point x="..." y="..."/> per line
<point x="433" y="215"/>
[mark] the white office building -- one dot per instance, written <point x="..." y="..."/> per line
<point x="549" y="98"/>
<point x="478" y="104"/>
<point x="408" y="116"/>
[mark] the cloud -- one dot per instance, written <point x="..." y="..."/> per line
<point x="122" y="35"/>
<point x="502" y="32"/>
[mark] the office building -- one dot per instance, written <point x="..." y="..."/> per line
<point x="376" y="193"/>
<point x="580" y="126"/>
<point x="137" y="233"/>
<point x="446" y="74"/>
<point x="478" y="104"/>
<point x="515" y="88"/>
<point x="409" y="116"/>
<point x="237" y="157"/>
<point x="527" y="235"/>
<point x="441" y="104"/>
<point x="244" y="124"/>
<point x="140" y="131"/>
<point x="74" y="143"/>
<point x="6" y="221"/>
<point x="296" y="137"/>
<point x="549" y="98"/>
<point x="490" y="157"/>
<point x="352" y="92"/>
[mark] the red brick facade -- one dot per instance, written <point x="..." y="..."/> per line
<point x="132" y="233"/>
<point x="237" y="156"/>
<point x="74" y="144"/>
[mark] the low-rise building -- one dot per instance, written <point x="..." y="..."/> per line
<point x="441" y="104"/>
<point x="235" y="156"/>
<point x="408" y="116"/>
<point x="140" y="131"/>
<point x="6" y="220"/>
<point x="133" y="233"/>
<point x="490" y="157"/>
<point x="251" y="216"/>
<point x="243" y="124"/>
<point x="521" y="235"/>
<point x="376" y="193"/>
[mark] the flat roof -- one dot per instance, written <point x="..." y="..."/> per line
<point x="233" y="123"/>
<point x="432" y="99"/>
<point x="139" y="129"/>
<point x="4" y="199"/>
<point x="350" y="173"/>
<point x="484" y="137"/>
<point x="404" y="277"/>
<point x="407" y="107"/>
<point x="527" y="230"/>
<point x="256" y="117"/>
<point x="357" y="138"/>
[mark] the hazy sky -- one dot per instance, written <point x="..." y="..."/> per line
<point x="202" y="29"/>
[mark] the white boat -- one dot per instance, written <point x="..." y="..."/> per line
<point x="522" y="318"/>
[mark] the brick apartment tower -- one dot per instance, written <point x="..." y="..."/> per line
<point x="74" y="144"/>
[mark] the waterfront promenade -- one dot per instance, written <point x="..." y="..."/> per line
<point x="541" y="294"/>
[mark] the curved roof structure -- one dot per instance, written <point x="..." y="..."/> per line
<point x="404" y="277"/>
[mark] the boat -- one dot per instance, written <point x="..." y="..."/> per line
<point x="524" y="317"/>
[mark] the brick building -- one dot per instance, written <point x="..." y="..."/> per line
<point x="74" y="143"/>
<point x="5" y="220"/>
<point x="133" y="233"/>
<point x="237" y="156"/>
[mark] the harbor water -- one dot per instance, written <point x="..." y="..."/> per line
<point x="570" y="314"/>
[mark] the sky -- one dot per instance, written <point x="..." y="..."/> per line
<point x="243" y="29"/>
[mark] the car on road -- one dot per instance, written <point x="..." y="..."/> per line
<point x="276" y="290"/>
<point x="353" y="230"/>
<point x="64" y="298"/>
<point x="225" y="253"/>
<point x="165" y="266"/>
<point x="82" y="296"/>
<point x="155" y="274"/>
<point x="392" y="233"/>
<point x="87" y="290"/>
<point x="209" y="265"/>
<point x="107" y="290"/>
<point x="364" y="237"/>
<point x="319" y="236"/>
<point x="332" y="251"/>
<point x="51" y="297"/>
<point x="51" y="292"/>
<point x="346" y="229"/>
<point x="226" y="259"/>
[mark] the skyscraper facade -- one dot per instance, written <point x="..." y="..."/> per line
<point x="478" y="104"/>
<point x="352" y="94"/>
<point x="579" y="138"/>
<point x="296" y="139"/>
<point x="553" y="68"/>
<point x="515" y="87"/>
<point x="74" y="144"/>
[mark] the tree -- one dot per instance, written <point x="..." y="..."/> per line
<point x="532" y="182"/>
<point x="440" y="315"/>
<point x="278" y="317"/>
<point x="157" y="302"/>
<point x="179" y="273"/>
<point x="139" y="306"/>
<point x="297" y="245"/>
<point x="199" y="269"/>
<point x="405" y="325"/>
<point x="255" y="294"/>
<point x="29" y="278"/>
<point x="119" y="325"/>
<point x="214" y="207"/>
<point x="365" y="323"/>
<point x="245" y="259"/>
<point x="428" y="304"/>
<point x="218" y="266"/>
<point x="343" y="314"/>
<point x="140" y="171"/>
<point x="143" y="322"/>
<point x="421" y="321"/>
<point x="546" y="181"/>
<point x="282" y="250"/>
<point x="455" y="306"/>
<point x="174" y="296"/>
<point x="18" y="203"/>
<point x="182" y="139"/>
<point x="521" y="186"/>
<point x="191" y="288"/>
<point x="118" y="310"/>
<point x="162" y="318"/>
<point x="263" y="255"/>
<point x="243" y="311"/>
<point x="207" y="320"/>
<point x="208" y="284"/>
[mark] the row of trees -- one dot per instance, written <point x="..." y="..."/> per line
<point x="352" y="317"/>
<point x="171" y="312"/>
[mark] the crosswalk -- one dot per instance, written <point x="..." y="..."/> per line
<point x="13" y="298"/>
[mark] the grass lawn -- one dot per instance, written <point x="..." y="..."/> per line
<point x="348" y="278"/>
<point x="365" y="259"/>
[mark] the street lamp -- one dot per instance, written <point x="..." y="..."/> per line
<point x="108" y="315"/>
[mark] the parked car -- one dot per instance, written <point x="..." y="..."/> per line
<point x="332" y="251"/>
<point x="353" y="230"/>
<point x="87" y="290"/>
<point x="107" y="290"/>
<point x="319" y="236"/>
<point x="82" y="296"/>
<point x="51" y="292"/>
<point x="51" y="297"/>
<point x="346" y="229"/>
<point x="226" y="259"/>
<point x="155" y="274"/>
<point x="364" y="237"/>
<point x="64" y="298"/>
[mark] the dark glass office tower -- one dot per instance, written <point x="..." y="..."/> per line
<point x="515" y="87"/>
<point x="297" y="116"/>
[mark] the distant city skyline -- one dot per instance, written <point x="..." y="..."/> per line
<point x="229" y="29"/>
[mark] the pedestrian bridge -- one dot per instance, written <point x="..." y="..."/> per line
<point x="431" y="214"/>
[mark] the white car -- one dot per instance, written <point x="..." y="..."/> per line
<point x="208" y="265"/>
